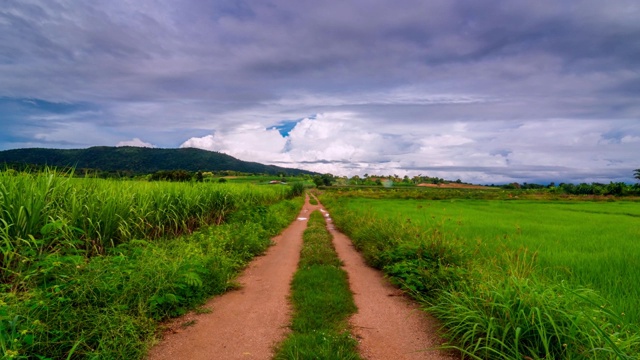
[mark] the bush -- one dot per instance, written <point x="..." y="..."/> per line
<point x="297" y="189"/>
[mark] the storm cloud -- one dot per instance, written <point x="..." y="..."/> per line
<point x="484" y="91"/>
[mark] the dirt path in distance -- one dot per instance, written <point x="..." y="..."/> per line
<point x="245" y="323"/>
<point x="388" y="324"/>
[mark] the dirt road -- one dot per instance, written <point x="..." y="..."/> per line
<point x="248" y="323"/>
<point x="388" y="324"/>
<point x="245" y="323"/>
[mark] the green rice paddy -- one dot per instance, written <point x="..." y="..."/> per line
<point x="593" y="244"/>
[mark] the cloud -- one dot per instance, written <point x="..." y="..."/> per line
<point x="491" y="151"/>
<point x="248" y="142"/>
<point x="136" y="142"/>
<point x="422" y="85"/>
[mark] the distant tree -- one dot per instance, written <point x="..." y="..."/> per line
<point x="513" y="185"/>
<point x="636" y="174"/>
<point x="171" y="175"/>
<point x="323" y="180"/>
<point x="616" y="189"/>
<point x="327" y="179"/>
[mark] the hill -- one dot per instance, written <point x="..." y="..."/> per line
<point x="137" y="160"/>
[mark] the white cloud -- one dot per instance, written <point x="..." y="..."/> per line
<point x="135" y="142"/>
<point x="330" y="142"/>
<point x="249" y="142"/>
<point x="343" y="143"/>
<point x="630" y="139"/>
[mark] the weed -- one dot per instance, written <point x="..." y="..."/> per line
<point x="203" y="310"/>
<point x="189" y="323"/>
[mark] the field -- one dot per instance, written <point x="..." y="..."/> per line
<point x="90" y="266"/>
<point x="592" y="244"/>
<point x="522" y="258"/>
<point x="262" y="179"/>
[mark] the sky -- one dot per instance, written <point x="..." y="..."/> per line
<point x="483" y="91"/>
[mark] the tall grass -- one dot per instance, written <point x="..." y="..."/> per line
<point x="495" y="302"/>
<point x="89" y="266"/>
<point x="108" y="306"/>
<point x="590" y="244"/>
<point x="44" y="213"/>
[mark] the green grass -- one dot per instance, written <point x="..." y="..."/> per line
<point x="591" y="244"/>
<point x="68" y="300"/>
<point x="44" y="213"/>
<point x="265" y="179"/>
<point x="322" y="301"/>
<point x="510" y="279"/>
<point x="518" y="317"/>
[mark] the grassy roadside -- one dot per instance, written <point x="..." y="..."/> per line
<point x="108" y="307"/>
<point x="501" y="310"/>
<point x="322" y="301"/>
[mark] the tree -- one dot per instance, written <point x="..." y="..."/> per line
<point x="636" y="174"/>
<point x="323" y="180"/>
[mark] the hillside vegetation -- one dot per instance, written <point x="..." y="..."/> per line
<point x="137" y="160"/>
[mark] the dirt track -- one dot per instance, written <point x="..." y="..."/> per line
<point x="388" y="324"/>
<point x="247" y="323"/>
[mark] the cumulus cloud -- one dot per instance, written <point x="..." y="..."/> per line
<point x="249" y="142"/>
<point x="491" y="151"/>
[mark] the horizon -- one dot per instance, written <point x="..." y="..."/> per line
<point x="555" y="182"/>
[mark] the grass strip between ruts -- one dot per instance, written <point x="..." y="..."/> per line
<point x="322" y="301"/>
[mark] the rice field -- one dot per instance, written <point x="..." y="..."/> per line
<point x="510" y="278"/>
<point x="593" y="244"/>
